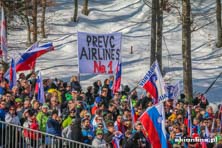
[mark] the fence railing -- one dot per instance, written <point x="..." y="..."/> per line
<point x="15" y="136"/>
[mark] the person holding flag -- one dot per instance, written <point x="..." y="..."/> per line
<point x="138" y="139"/>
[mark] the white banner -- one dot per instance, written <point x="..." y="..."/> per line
<point x="98" y="53"/>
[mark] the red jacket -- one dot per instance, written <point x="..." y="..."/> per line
<point x="30" y="134"/>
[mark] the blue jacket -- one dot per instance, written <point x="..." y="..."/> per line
<point x="2" y="117"/>
<point x="85" y="134"/>
<point x="53" y="127"/>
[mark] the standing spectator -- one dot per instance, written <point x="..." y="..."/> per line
<point x="52" y="127"/>
<point x="73" y="131"/>
<point x="2" y="110"/>
<point x="2" y="118"/>
<point x="98" y="141"/>
<point x="138" y="138"/>
<point x="35" y="106"/>
<point x="42" y="117"/>
<point x="69" y="119"/>
<point x="75" y="84"/>
<point x="127" y="141"/>
<point x="89" y="96"/>
<point x="87" y="133"/>
<point x="11" y="116"/>
<point x="108" y="137"/>
<point x="106" y="87"/>
<point x="31" y="137"/>
<point x="55" y="105"/>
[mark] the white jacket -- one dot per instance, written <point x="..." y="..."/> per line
<point x="12" y="119"/>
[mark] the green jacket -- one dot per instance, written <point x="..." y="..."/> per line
<point x="67" y="122"/>
<point x="42" y="120"/>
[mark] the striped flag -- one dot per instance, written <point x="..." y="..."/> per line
<point x="28" y="59"/>
<point x="153" y="121"/>
<point x="39" y="89"/>
<point x="117" y="82"/>
<point x="4" y="50"/>
<point x="35" y="45"/>
<point x="154" y="84"/>
<point x="12" y="75"/>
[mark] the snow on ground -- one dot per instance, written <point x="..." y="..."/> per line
<point x="132" y="19"/>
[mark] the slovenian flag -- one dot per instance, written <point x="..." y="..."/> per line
<point x="153" y="121"/>
<point x="154" y="84"/>
<point x="39" y="89"/>
<point x="28" y="59"/>
<point x="117" y="82"/>
<point x="116" y="140"/>
<point x="12" y="75"/>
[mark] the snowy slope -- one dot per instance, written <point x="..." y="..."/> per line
<point x="132" y="19"/>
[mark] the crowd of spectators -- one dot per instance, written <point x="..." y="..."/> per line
<point x="97" y="116"/>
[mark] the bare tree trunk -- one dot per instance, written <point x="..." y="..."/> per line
<point x="34" y="20"/>
<point x="153" y="34"/>
<point x="29" y="41"/>
<point x="219" y="27"/>
<point x="28" y="30"/>
<point x="159" y="11"/>
<point x="75" y="10"/>
<point x="85" y="10"/>
<point x="186" y="50"/>
<point x="43" y="18"/>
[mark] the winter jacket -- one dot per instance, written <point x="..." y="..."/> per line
<point x="89" y="98"/>
<point x="42" y="119"/>
<point x="2" y="114"/>
<point x="85" y="135"/>
<point x="100" y="143"/>
<point x="138" y="139"/>
<point x="67" y="122"/>
<point x="53" y="127"/>
<point x="2" y="117"/>
<point x="76" y="130"/>
<point x="67" y="132"/>
<point x="108" y="137"/>
<point x="30" y="134"/>
<point x="76" y="85"/>
<point x="13" y="119"/>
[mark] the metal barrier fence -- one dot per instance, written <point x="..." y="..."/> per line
<point x="14" y="136"/>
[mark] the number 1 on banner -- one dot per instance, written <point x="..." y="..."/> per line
<point x="110" y="65"/>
